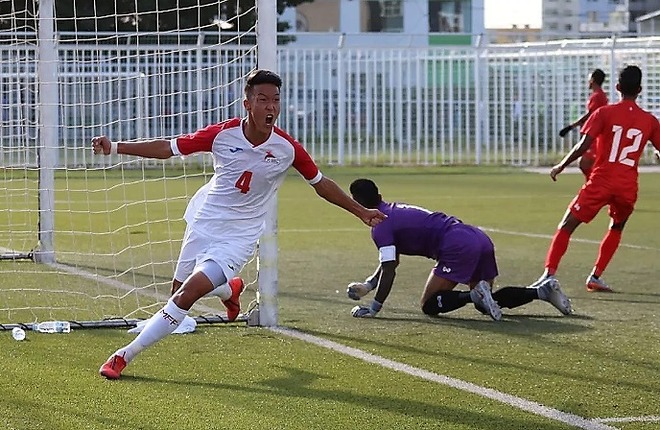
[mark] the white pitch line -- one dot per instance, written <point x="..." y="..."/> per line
<point x="646" y="419"/>
<point x="573" y="239"/>
<point x="518" y="402"/>
<point x="486" y="229"/>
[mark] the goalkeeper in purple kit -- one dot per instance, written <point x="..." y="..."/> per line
<point x="464" y="254"/>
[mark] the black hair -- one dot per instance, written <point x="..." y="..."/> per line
<point x="261" y="76"/>
<point x="365" y="192"/>
<point x="630" y="81"/>
<point x="598" y="76"/>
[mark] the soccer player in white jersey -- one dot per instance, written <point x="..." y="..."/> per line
<point x="226" y="217"/>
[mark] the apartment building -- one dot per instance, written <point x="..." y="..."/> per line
<point x="579" y="17"/>
<point x="412" y="22"/>
<point x="561" y="16"/>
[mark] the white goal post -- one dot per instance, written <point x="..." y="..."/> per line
<point x="268" y="285"/>
<point x="94" y="240"/>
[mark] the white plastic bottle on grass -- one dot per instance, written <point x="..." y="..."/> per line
<point x="52" y="327"/>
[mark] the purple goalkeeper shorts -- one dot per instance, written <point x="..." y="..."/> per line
<point x="466" y="255"/>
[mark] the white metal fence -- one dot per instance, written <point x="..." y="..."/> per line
<point x="486" y="104"/>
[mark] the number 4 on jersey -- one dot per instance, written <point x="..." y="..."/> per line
<point x="243" y="182"/>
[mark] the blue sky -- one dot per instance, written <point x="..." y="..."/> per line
<point x="504" y="13"/>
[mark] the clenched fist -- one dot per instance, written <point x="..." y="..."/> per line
<point x="101" y="145"/>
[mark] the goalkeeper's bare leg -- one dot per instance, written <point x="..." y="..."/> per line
<point x="201" y="282"/>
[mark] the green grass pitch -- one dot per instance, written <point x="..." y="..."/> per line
<point x="604" y="361"/>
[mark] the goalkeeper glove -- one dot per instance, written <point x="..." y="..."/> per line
<point x="564" y="131"/>
<point x="367" y="312"/>
<point x="357" y="290"/>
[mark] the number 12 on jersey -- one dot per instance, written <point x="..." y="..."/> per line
<point x="633" y="134"/>
<point x="243" y="182"/>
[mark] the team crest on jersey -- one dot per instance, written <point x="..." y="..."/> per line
<point x="270" y="158"/>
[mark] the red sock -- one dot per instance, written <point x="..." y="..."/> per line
<point x="557" y="249"/>
<point x="608" y="247"/>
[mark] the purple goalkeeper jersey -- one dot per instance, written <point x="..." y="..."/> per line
<point x="412" y="230"/>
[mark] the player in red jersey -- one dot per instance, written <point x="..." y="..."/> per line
<point x="619" y="132"/>
<point x="251" y="157"/>
<point x="597" y="99"/>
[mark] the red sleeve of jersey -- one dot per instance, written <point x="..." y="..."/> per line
<point x="302" y="161"/>
<point x="594" y="124"/>
<point x="655" y="133"/>
<point x="596" y="100"/>
<point x="202" y="139"/>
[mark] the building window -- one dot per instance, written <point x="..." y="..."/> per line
<point x="449" y="16"/>
<point x="392" y="13"/>
<point x="384" y="15"/>
<point x="391" y="8"/>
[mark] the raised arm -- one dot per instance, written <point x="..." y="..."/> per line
<point x="575" y="153"/>
<point x="580" y="121"/>
<point x="330" y="191"/>
<point x="156" y="148"/>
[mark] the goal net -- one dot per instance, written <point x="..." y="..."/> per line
<point x="92" y="239"/>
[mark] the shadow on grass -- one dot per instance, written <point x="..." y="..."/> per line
<point x="52" y="416"/>
<point x="511" y="324"/>
<point x="632" y="302"/>
<point x="297" y="385"/>
<point x="621" y="297"/>
<point x="549" y="371"/>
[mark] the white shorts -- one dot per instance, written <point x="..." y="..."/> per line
<point x="230" y="253"/>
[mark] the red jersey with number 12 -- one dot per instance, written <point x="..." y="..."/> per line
<point x="620" y="132"/>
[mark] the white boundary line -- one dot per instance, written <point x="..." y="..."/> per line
<point x="518" y="402"/>
<point x="646" y="419"/>
<point x="573" y="239"/>
<point x="486" y="229"/>
<point x="525" y="405"/>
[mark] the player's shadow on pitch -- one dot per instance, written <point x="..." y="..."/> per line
<point x="512" y="324"/>
<point x="297" y="385"/>
<point x="617" y="297"/>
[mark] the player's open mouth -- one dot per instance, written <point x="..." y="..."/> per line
<point x="269" y="119"/>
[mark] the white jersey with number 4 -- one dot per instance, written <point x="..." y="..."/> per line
<point x="235" y="201"/>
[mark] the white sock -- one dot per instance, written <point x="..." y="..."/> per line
<point x="223" y="291"/>
<point x="164" y="322"/>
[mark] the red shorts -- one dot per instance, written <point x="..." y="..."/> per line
<point x="593" y="197"/>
